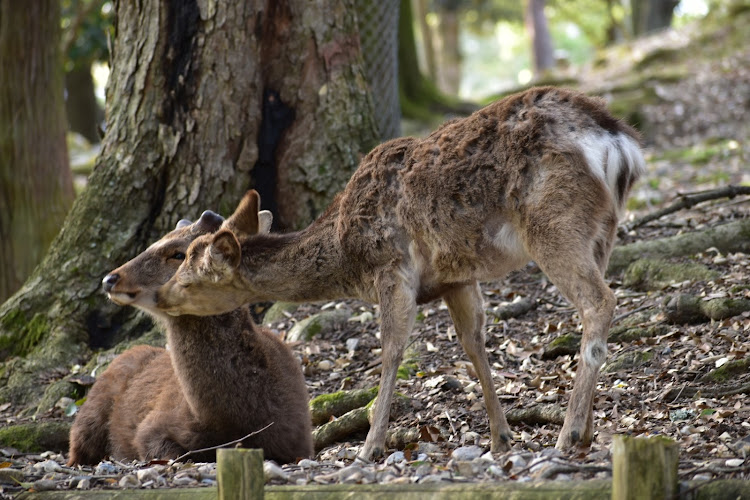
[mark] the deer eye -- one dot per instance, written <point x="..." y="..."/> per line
<point x="178" y="256"/>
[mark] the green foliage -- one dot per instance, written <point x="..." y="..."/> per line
<point x="85" y="24"/>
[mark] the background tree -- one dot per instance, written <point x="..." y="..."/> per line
<point x="650" y="15"/>
<point x="205" y="100"/>
<point x="84" y="42"/>
<point x="541" y="41"/>
<point x="36" y="187"/>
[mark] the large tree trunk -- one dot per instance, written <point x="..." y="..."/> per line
<point x="36" y="186"/>
<point x="650" y="15"/>
<point x="205" y="100"/>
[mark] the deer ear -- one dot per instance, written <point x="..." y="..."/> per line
<point x="265" y="219"/>
<point x="244" y="220"/>
<point x="224" y="250"/>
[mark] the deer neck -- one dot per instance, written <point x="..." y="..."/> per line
<point x="306" y="266"/>
<point x="199" y="347"/>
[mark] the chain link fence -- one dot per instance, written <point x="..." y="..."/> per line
<point x="378" y="33"/>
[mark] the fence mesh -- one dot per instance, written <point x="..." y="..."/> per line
<point x="378" y="32"/>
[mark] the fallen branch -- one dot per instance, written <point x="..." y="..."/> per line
<point x="689" y="201"/>
<point x="230" y="443"/>
<point x="731" y="237"/>
<point x="514" y="309"/>
<point x="353" y="422"/>
<point x="536" y="415"/>
<point x="706" y="392"/>
<point x="326" y="406"/>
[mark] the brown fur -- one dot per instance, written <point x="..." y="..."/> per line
<point x="221" y="379"/>
<point x="540" y="175"/>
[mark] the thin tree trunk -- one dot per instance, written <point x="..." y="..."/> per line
<point x="450" y="65"/>
<point x="205" y="100"/>
<point x="428" y="41"/>
<point x="542" y="49"/>
<point x="36" y="187"/>
<point x="81" y="108"/>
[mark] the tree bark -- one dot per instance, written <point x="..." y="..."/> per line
<point x="541" y="40"/>
<point x="205" y="100"/>
<point x="36" y="186"/>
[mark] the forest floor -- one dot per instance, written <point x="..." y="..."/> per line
<point x="655" y="382"/>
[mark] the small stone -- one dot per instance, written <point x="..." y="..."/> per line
<point x="702" y="477"/>
<point x="466" y="453"/>
<point x="11" y="476"/>
<point x="64" y="402"/>
<point x="734" y="462"/>
<point x="351" y="345"/>
<point x="325" y="365"/>
<point x="432" y="479"/>
<point x="516" y="461"/>
<point x="44" y="485"/>
<point x="184" y="480"/>
<point x="496" y="471"/>
<point x="105" y="469"/>
<point x="84" y="483"/>
<point x="273" y="471"/>
<point x="150" y="474"/>
<point x="129" y="481"/>
<point x="466" y="469"/>
<point x="395" y="458"/>
<point x="306" y="463"/>
<point x="48" y="466"/>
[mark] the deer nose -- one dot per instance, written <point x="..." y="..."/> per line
<point x="110" y="281"/>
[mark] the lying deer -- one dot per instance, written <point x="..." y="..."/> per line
<point x="221" y="379"/>
<point x="540" y="175"/>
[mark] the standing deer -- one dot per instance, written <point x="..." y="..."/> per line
<point x="539" y="175"/>
<point x="221" y="379"/>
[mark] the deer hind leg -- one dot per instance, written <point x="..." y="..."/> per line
<point x="398" y="308"/>
<point x="571" y="244"/>
<point x="467" y="311"/>
<point x="156" y="436"/>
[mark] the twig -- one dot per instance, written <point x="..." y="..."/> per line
<point x="688" y="201"/>
<point x="624" y="315"/>
<point x="222" y="445"/>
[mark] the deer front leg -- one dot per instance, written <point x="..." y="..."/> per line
<point x="467" y="311"/>
<point x="398" y="309"/>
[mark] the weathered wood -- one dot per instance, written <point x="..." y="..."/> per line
<point x="325" y="406"/>
<point x="731" y="237"/>
<point x="208" y="493"/>
<point x="581" y="490"/>
<point x="240" y="474"/>
<point x="644" y="468"/>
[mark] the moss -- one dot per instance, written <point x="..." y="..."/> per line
<point x="628" y="361"/>
<point x="406" y="370"/>
<point x="24" y="335"/>
<point x="655" y="274"/>
<point x="632" y="333"/>
<point x="728" y="371"/>
<point x="323" y="407"/>
<point x="37" y="436"/>
<point x="567" y="343"/>
<point x="724" y="308"/>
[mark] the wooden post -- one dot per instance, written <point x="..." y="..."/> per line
<point x="644" y="468"/>
<point x="240" y="474"/>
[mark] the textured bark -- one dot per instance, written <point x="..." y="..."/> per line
<point x="36" y="187"/>
<point x="205" y="100"/>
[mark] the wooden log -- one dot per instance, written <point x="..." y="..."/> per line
<point x="644" y="468"/>
<point x="240" y="474"/>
